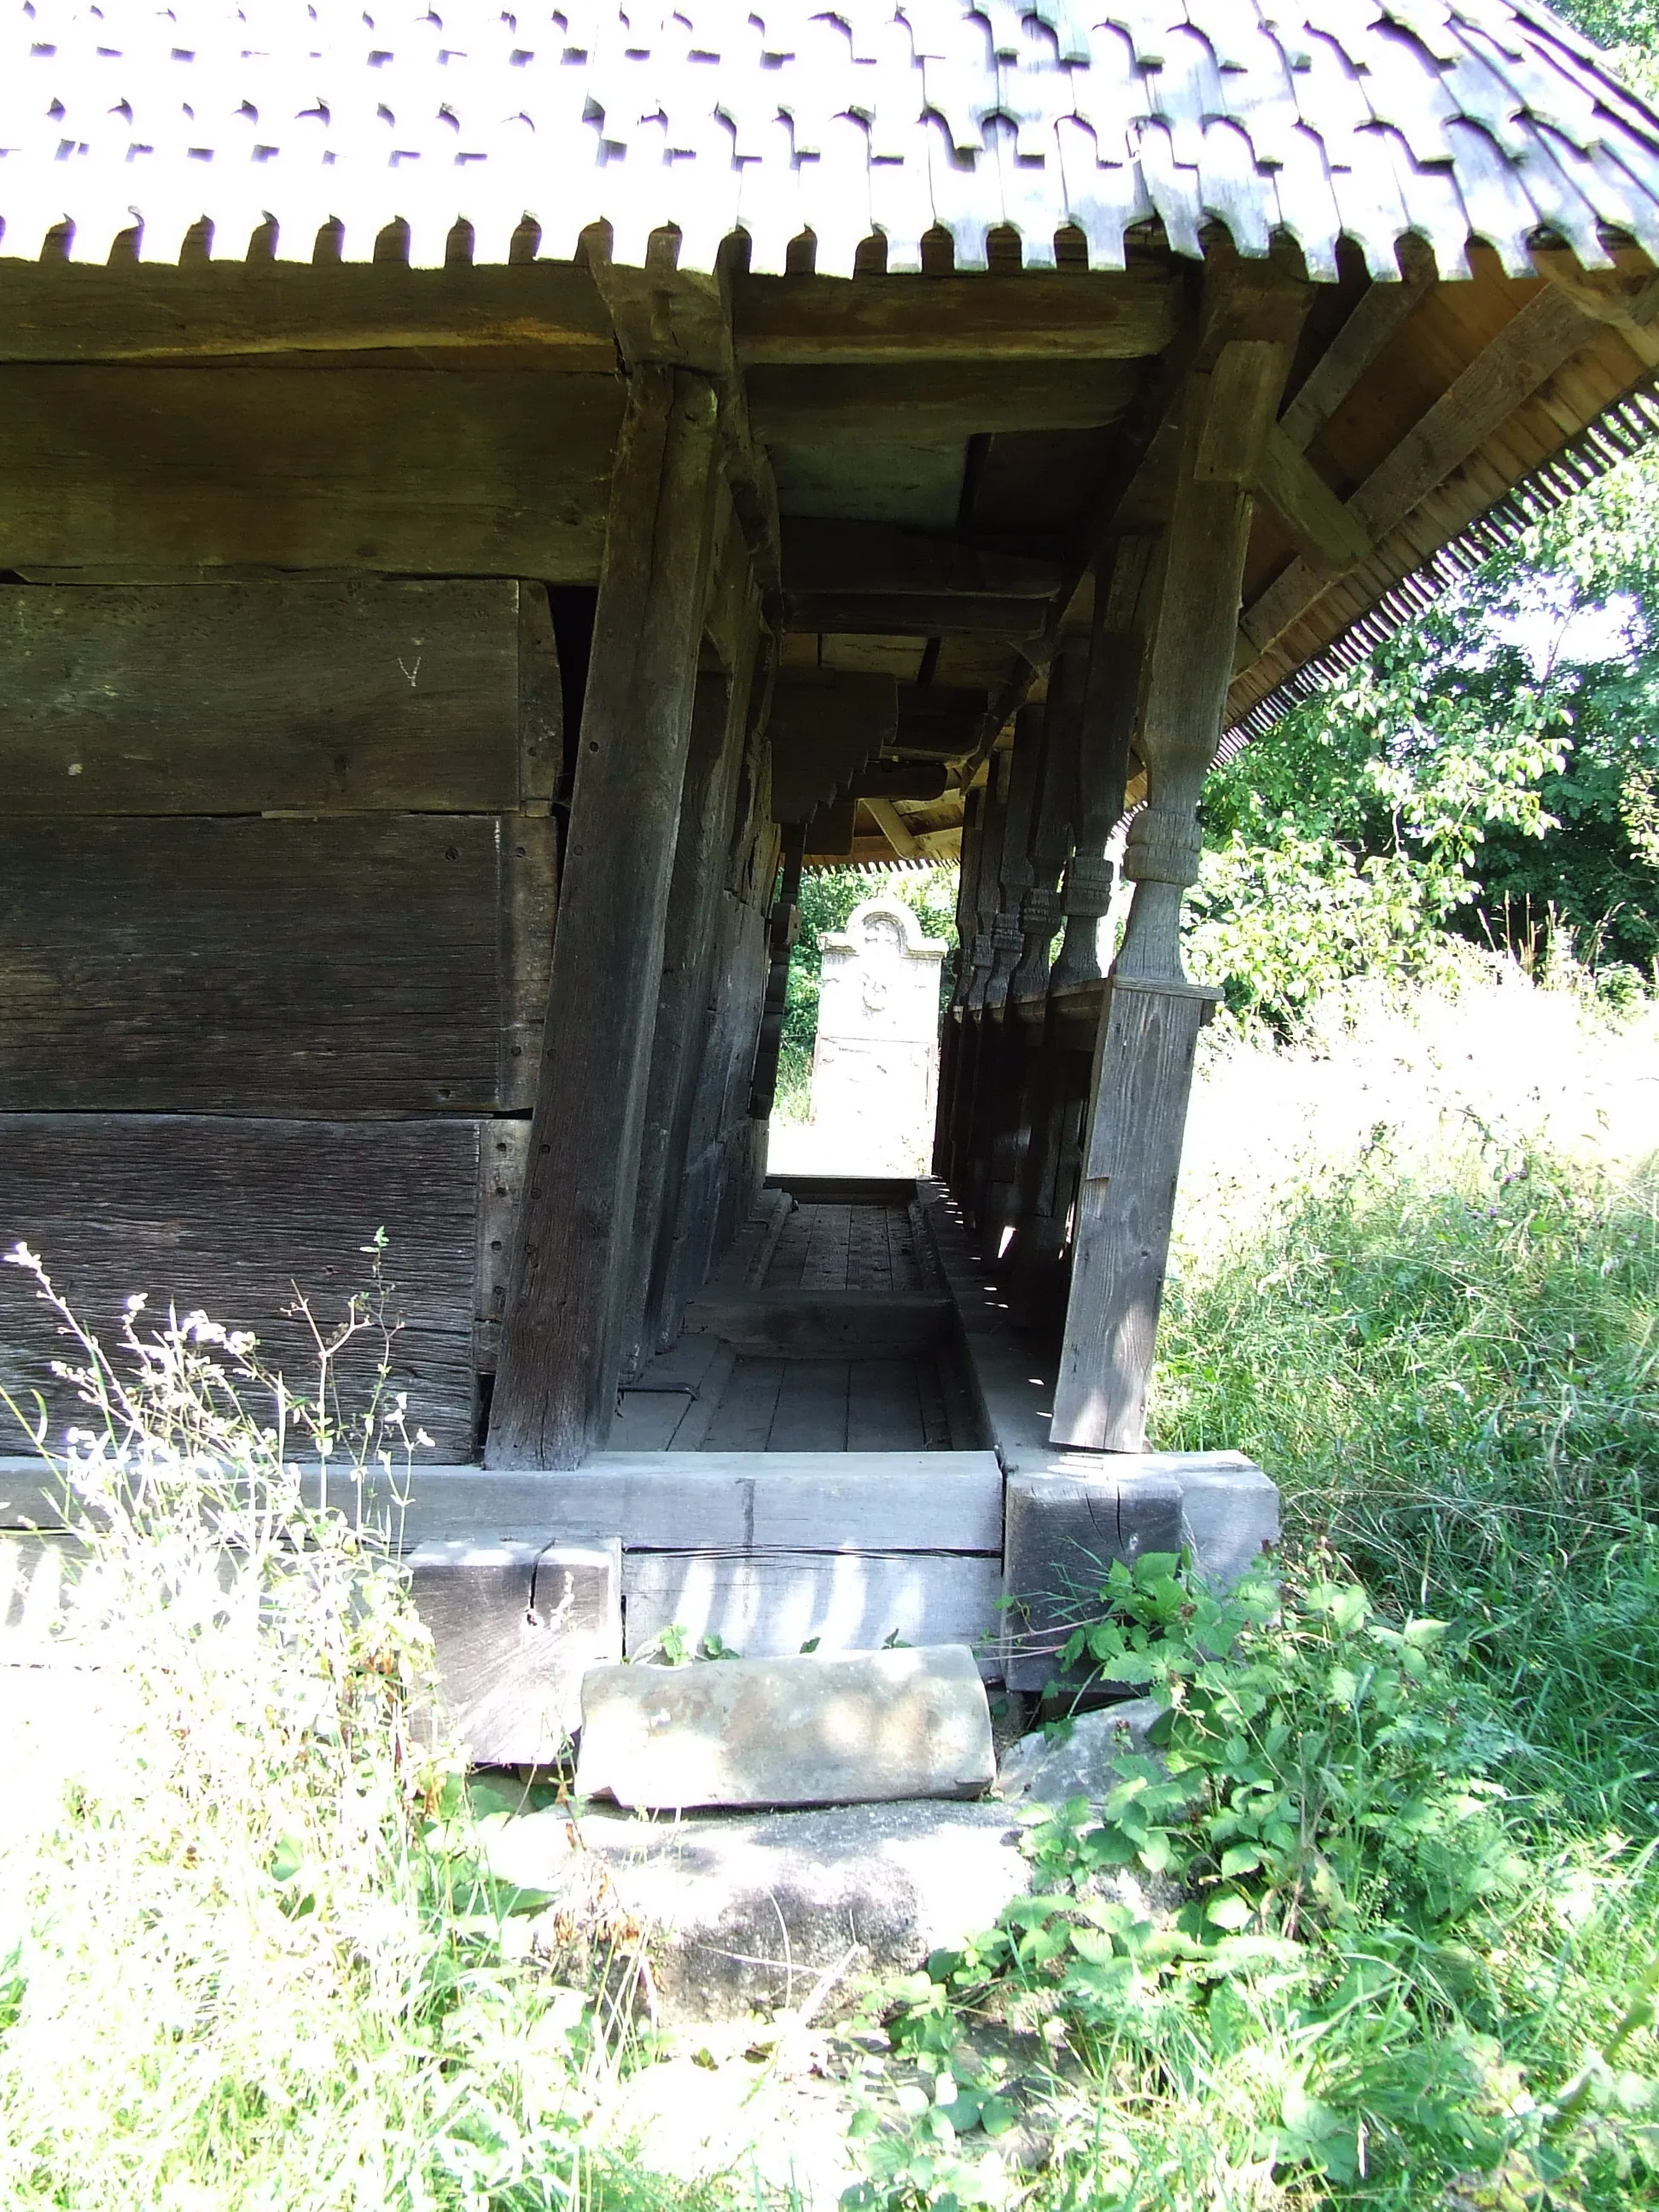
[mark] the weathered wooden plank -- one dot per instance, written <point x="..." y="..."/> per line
<point x="556" y="1377"/>
<point x="290" y="696"/>
<point x="155" y="312"/>
<point x="231" y="1215"/>
<point x="743" y="1420"/>
<point x="370" y="964"/>
<point x="767" y="1607"/>
<point x="892" y="1501"/>
<point x="823" y="1324"/>
<point x="417" y="471"/>
<point x="1070" y="316"/>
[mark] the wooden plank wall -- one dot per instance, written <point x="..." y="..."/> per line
<point x="278" y="871"/>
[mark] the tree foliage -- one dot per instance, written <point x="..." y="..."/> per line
<point x="1490" y="771"/>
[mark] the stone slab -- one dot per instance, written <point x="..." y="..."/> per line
<point x="805" y="1730"/>
<point x="793" y="1910"/>
<point x="1083" y="1762"/>
<point x="516" y="1626"/>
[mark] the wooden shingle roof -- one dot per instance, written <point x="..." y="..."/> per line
<point x="1368" y="119"/>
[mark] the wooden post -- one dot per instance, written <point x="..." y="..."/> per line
<point x="1151" y="1015"/>
<point x="715" y="754"/>
<point x="556" y="1381"/>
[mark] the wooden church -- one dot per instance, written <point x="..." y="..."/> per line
<point x="488" y="493"/>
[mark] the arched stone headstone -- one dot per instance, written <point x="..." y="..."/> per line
<point x="876" y="1064"/>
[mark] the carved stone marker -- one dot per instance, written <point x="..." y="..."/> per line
<point x="876" y="1066"/>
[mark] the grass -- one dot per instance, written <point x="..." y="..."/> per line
<point x="1417" y="1276"/>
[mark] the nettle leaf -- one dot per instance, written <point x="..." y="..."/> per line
<point x="1239" y="1859"/>
<point x="1229" y="1911"/>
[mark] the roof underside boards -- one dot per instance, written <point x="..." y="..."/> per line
<point x="887" y="120"/>
<point x="955" y="434"/>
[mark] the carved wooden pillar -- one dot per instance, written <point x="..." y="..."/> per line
<point x="999" y="1042"/>
<point x="977" y="959"/>
<point x="1151" y="1015"/>
<point x="1106" y="725"/>
<point x="951" y="1026"/>
<point x="1024" y="1052"/>
<point x="556" y="1381"/>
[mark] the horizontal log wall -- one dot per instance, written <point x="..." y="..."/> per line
<point x="279" y="872"/>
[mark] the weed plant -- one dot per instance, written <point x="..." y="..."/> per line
<point x="249" y="1956"/>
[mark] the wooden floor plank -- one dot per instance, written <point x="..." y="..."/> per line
<point x="647" y="1419"/>
<point x="825" y="1265"/>
<point x="744" y="1420"/>
<point x="811" y="1408"/>
<point x="884" y="1405"/>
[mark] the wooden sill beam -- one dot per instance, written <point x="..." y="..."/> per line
<point x="1064" y="316"/>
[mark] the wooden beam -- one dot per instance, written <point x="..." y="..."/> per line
<point x="919" y="780"/>
<point x="823" y="726"/>
<point x="683" y="319"/>
<point x="714" y="757"/>
<point x="151" y="312"/>
<point x="891" y="824"/>
<point x="1330" y="538"/>
<point x="1382" y="311"/>
<point x="1122" y="316"/>
<point x="556" y="1382"/>
<point x="914" y="614"/>
<point x="943" y="399"/>
<point x="1544" y="335"/>
<point x="782" y="925"/>
<point x="875" y="558"/>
